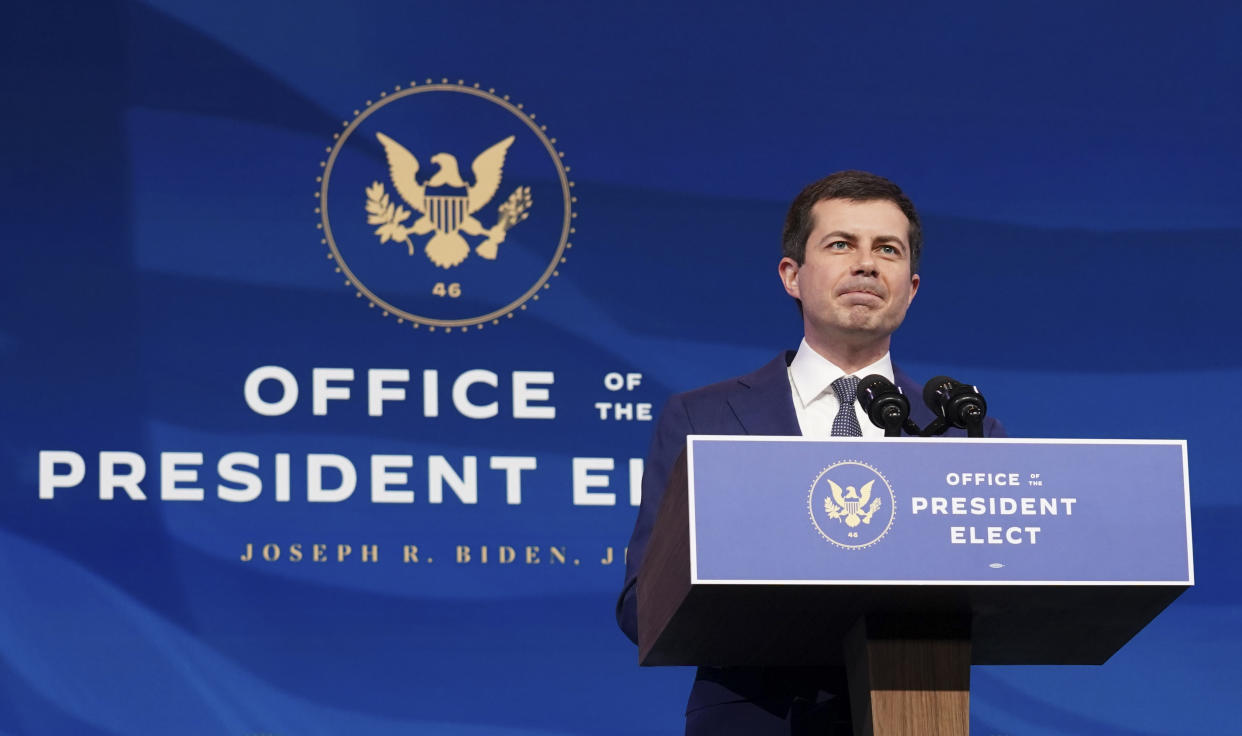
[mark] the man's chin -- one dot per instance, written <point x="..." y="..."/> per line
<point x="864" y="319"/>
<point x="858" y="330"/>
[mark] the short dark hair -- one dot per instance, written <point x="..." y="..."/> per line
<point x="857" y="186"/>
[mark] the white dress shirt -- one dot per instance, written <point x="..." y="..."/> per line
<point x="816" y="404"/>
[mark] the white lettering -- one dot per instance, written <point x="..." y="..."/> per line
<point x="378" y="393"/>
<point x="513" y="467"/>
<point x="50" y="480"/>
<point x="171" y="473"/>
<point x="636" y="481"/>
<point x="462" y="401"/>
<point x="315" y="464"/>
<point x="464" y="486"/>
<point x="322" y="390"/>
<point x="523" y="394"/>
<point x="584" y="480"/>
<point x="382" y="475"/>
<point x="110" y="480"/>
<point x="288" y="388"/>
<point x="228" y="470"/>
<point x="431" y="393"/>
<point x="282" y="477"/>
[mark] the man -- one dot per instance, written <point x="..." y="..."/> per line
<point x="850" y="259"/>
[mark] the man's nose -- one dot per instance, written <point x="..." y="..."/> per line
<point x="864" y="264"/>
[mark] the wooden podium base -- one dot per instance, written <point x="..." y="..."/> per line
<point x="903" y="682"/>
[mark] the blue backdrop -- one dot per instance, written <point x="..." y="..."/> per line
<point x="163" y="195"/>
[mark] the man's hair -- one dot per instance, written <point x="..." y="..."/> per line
<point x="857" y="186"/>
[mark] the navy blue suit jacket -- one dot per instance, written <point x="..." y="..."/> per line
<point x="759" y="403"/>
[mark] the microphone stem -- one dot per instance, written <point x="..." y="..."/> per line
<point x="893" y="419"/>
<point x="972" y="417"/>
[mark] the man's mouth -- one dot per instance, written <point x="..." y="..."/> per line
<point x="869" y="298"/>
<point x="863" y="293"/>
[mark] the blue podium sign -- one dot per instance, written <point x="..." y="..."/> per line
<point x="938" y="511"/>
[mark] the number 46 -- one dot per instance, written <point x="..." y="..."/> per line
<point x="453" y="290"/>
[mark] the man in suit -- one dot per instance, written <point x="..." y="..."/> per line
<point x="850" y="259"/>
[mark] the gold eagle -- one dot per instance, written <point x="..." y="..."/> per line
<point x="450" y="204"/>
<point x="850" y="502"/>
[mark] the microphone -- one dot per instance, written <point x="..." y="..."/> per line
<point x="884" y="403"/>
<point x="957" y="404"/>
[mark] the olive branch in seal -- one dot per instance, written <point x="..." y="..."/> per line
<point x="389" y="216"/>
<point x="513" y="210"/>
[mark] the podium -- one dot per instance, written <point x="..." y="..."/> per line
<point x="906" y="561"/>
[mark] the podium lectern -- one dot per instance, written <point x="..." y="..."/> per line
<point x="908" y="560"/>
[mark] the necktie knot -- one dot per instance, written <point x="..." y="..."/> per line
<point x="846" y="389"/>
<point x="846" y="422"/>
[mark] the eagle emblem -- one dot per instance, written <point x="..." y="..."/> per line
<point x="849" y="504"/>
<point x="446" y="203"/>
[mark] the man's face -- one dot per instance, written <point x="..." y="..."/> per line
<point x="855" y="282"/>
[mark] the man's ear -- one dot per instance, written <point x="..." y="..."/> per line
<point x="914" y="287"/>
<point x="788" y="270"/>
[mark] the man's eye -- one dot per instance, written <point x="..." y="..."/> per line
<point x="888" y="250"/>
<point x="839" y="245"/>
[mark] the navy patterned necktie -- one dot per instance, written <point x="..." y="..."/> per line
<point x="846" y="422"/>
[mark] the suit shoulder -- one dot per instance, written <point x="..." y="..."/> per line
<point x="715" y="392"/>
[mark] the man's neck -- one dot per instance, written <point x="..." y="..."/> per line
<point x="846" y="356"/>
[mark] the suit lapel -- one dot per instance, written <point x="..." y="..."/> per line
<point x="763" y="401"/>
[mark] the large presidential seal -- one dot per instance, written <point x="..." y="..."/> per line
<point x="851" y="504"/>
<point x="445" y="205"/>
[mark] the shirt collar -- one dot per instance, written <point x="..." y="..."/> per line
<point x="811" y="374"/>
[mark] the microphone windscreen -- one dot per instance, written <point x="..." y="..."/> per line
<point x="873" y="381"/>
<point x="929" y="392"/>
<point x="871" y="387"/>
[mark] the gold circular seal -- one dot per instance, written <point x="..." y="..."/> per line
<point x="846" y="506"/>
<point x="445" y="205"/>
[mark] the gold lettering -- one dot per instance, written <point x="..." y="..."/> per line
<point x="248" y="555"/>
<point x="271" y="552"/>
<point x="410" y="553"/>
<point x="483" y="553"/>
<point x="295" y="552"/>
<point x="558" y="554"/>
<point x="506" y="554"/>
<point x="343" y="551"/>
<point x="532" y="554"/>
<point x="463" y="554"/>
<point x="607" y="559"/>
<point x="374" y="550"/>
<point x="319" y="552"/>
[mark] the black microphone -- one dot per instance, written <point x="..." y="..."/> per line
<point x="884" y="403"/>
<point x="958" y="404"/>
